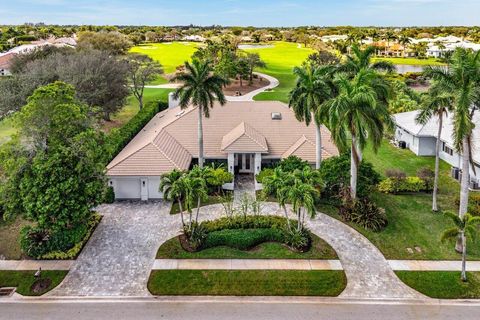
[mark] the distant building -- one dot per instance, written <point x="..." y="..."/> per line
<point x="422" y="139"/>
<point x="194" y="38"/>
<point x="5" y="63"/>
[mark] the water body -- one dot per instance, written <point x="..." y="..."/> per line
<point x="404" y="68"/>
<point x="254" y="46"/>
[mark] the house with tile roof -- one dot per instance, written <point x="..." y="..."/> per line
<point x="244" y="135"/>
<point x="422" y="139"/>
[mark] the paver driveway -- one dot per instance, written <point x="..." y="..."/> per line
<point x="119" y="256"/>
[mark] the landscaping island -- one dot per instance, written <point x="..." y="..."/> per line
<point x="24" y="281"/>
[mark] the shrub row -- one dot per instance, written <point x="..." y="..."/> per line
<point x="248" y="222"/>
<point x="73" y="252"/>
<point x="119" y="138"/>
<point x="242" y="239"/>
<point x="397" y="185"/>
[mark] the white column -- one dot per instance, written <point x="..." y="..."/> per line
<point x="231" y="162"/>
<point x="258" y="163"/>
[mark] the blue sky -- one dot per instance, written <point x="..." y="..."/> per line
<point x="243" y="12"/>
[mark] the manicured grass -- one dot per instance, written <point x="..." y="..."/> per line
<point x="6" y="130"/>
<point x="443" y="284"/>
<point x="172" y="249"/>
<point x="412" y="61"/>
<point x="247" y="282"/>
<point x="131" y="108"/>
<point x="9" y="238"/>
<point x="280" y="61"/>
<point x="170" y="55"/>
<point x="411" y="220"/>
<point x="23" y="280"/>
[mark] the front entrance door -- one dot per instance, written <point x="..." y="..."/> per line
<point x="245" y="162"/>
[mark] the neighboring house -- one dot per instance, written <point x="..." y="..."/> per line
<point x="421" y="139"/>
<point x="194" y="38"/>
<point x="243" y="135"/>
<point x="5" y="63"/>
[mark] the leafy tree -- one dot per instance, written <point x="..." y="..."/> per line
<point x="112" y="42"/>
<point x="141" y="70"/>
<point x="437" y="104"/>
<point x="362" y="59"/>
<point x="307" y="98"/>
<point x="357" y="115"/>
<point x="462" y="80"/>
<point x="200" y="88"/>
<point x="20" y="61"/>
<point x="323" y="57"/>
<point x="253" y="61"/>
<point x="466" y="225"/>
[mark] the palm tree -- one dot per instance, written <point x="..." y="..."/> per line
<point x="312" y="89"/>
<point x="461" y="79"/>
<point x="357" y="115"/>
<point x="302" y="197"/>
<point x="195" y="192"/>
<point x="389" y="36"/>
<point x="277" y="184"/>
<point x="362" y="59"/>
<point x="437" y="104"/>
<point x="404" y="41"/>
<point x="201" y="88"/>
<point x="172" y="185"/>
<point x="467" y="225"/>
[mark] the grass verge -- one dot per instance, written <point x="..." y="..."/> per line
<point x="412" y="61"/>
<point x="247" y="282"/>
<point x="24" y="280"/>
<point x="172" y="249"/>
<point x="443" y="284"/>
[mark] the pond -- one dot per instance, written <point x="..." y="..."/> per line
<point x="254" y="46"/>
<point x="404" y="68"/>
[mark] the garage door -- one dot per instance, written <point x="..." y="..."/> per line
<point x="127" y="188"/>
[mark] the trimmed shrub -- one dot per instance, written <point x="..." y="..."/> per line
<point x="395" y="185"/>
<point x="118" y="138"/>
<point x="428" y="176"/>
<point x="395" y="173"/>
<point x="473" y="203"/>
<point x="335" y="173"/>
<point x="242" y="239"/>
<point x="292" y="163"/>
<point x="267" y="172"/>
<point x="110" y="195"/>
<point x="247" y="222"/>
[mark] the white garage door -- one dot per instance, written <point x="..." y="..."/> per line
<point x="127" y="188"/>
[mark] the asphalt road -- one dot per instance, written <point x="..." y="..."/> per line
<point x="303" y="309"/>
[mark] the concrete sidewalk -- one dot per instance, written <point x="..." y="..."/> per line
<point x="246" y="264"/>
<point x="21" y="265"/>
<point x="299" y="264"/>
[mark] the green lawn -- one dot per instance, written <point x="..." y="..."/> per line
<point x="172" y="249"/>
<point x="247" y="282"/>
<point x="411" y="221"/>
<point x="413" y="61"/>
<point x="23" y="280"/>
<point x="280" y="61"/>
<point x="9" y="238"/>
<point x="443" y="284"/>
<point x="170" y="55"/>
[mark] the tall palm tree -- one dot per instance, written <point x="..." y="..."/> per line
<point x="312" y="89"/>
<point x="404" y="40"/>
<point x="362" y="59"/>
<point x="173" y="187"/>
<point x="462" y="80"/>
<point x="437" y="104"/>
<point x="467" y="225"/>
<point x="201" y="88"/>
<point x="357" y="115"/>
<point x="389" y="36"/>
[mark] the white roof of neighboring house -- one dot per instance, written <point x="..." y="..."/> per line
<point x="406" y="121"/>
<point x="169" y="140"/>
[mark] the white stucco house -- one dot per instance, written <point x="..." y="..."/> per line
<point x="5" y="63"/>
<point x="244" y="135"/>
<point x="421" y="139"/>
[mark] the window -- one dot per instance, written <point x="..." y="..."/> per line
<point x="447" y="149"/>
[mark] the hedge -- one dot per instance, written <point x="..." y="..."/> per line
<point x="248" y="222"/>
<point x="75" y="250"/>
<point x="242" y="239"/>
<point x="396" y="185"/>
<point x="119" y="138"/>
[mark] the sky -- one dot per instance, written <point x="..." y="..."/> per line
<point x="275" y="13"/>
